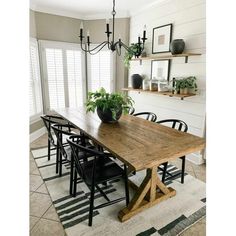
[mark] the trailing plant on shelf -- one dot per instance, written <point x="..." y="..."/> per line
<point x="109" y="106"/>
<point x="133" y="49"/>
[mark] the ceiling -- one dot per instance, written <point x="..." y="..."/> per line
<point x="91" y="9"/>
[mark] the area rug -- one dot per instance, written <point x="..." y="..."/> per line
<point x="170" y="217"/>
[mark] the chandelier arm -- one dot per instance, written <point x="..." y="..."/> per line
<point x="118" y="49"/>
<point x="140" y="50"/>
<point x="93" y="53"/>
<point x="81" y="46"/>
<point x="125" y="47"/>
<point x="100" y="45"/>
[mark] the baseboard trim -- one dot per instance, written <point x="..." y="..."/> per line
<point x="195" y="158"/>
<point x="37" y="134"/>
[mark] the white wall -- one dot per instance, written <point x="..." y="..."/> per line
<point x="188" y="18"/>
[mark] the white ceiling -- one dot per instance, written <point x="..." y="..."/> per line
<point x="91" y="9"/>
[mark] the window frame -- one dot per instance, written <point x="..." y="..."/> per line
<point x="36" y="117"/>
<point x="43" y="44"/>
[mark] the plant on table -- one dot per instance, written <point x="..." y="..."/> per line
<point x="109" y="105"/>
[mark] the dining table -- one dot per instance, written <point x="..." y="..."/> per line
<point x="141" y="145"/>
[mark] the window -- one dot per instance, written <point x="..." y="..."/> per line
<point x="63" y="70"/>
<point x="101" y="71"/>
<point x="35" y="97"/>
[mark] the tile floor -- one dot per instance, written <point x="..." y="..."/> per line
<point x="44" y="220"/>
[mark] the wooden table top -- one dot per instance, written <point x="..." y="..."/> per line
<point x="139" y="143"/>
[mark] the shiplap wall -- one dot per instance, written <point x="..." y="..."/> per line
<point x="189" y="23"/>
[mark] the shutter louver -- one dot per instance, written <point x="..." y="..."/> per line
<point x="55" y="78"/>
<point x="99" y="71"/>
<point x="74" y="77"/>
<point x="35" y="83"/>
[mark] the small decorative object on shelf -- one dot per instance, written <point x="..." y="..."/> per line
<point x="109" y="106"/>
<point x="136" y="81"/>
<point x="163" y="86"/>
<point x="177" y="46"/>
<point x="146" y="83"/>
<point x="154" y="85"/>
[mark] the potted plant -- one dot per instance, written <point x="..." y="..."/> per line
<point x="109" y="106"/>
<point x="191" y="84"/>
<point x="183" y="86"/>
<point x="133" y="50"/>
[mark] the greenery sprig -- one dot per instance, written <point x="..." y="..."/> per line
<point x="133" y="49"/>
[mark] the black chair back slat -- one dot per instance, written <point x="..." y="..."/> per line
<point x="131" y="111"/>
<point x="148" y="115"/>
<point x="182" y="126"/>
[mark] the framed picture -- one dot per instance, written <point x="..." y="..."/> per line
<point x="160" y="70"/>
<point x="161" y="38"/>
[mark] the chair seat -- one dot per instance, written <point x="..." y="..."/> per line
<point x="105" y="170"/>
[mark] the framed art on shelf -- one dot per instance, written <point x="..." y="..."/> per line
<point x="160" y="70"/>
<point x="161" y="38"/>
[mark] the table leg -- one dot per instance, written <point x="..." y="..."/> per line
<point x="147" y="195"/>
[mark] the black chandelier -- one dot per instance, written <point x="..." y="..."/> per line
<point x="112" y="45"/>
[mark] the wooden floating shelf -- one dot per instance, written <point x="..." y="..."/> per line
<point x="166" y="56"/>
<point x="170" y="94"/>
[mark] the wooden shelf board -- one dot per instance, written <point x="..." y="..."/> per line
<point x="166" y="56"/>
<point x="182" y="96"/>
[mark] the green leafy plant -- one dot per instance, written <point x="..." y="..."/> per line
<point x="191" y="82"/>
<point x="108" y="101"/>
<point x="133" y="49"/>
<point x="186" y="82"/>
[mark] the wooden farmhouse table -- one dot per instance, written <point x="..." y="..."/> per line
<point x="140" y="144"/>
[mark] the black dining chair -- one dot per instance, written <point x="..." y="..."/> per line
<point x="63" y="131"/>
<point x="181" y="126"/>
<point x="96" y="171"/>
<point x="147" y="115"/>
<point x="48" y="121"/>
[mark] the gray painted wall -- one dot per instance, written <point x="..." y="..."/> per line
<point x="32" y="25"/>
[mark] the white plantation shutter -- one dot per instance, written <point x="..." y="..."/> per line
<point x="63" y="68"/>
<point x="35" y="97"/>
<point x="101" y="71"/>
<point x="74" y="78"/>
<point x="55" y="78"/>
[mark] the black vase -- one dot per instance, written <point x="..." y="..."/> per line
<point x="106" y="116"/>
<point x="177" y="46"/>
<point x="136" y="81"/>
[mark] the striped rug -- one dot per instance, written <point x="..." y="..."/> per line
<point x="170" y="217"/>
